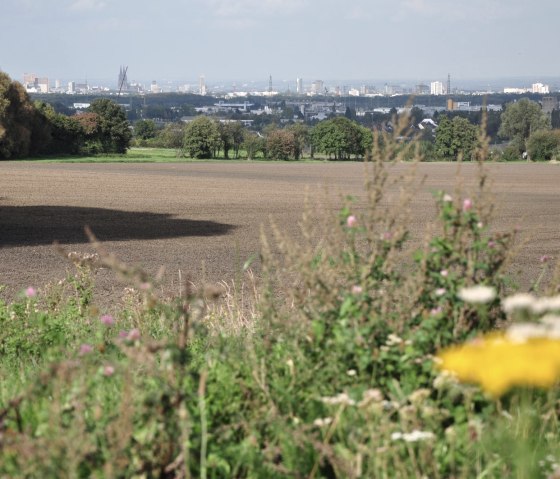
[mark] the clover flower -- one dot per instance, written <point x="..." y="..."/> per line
<point x="351" y="221"/>
<point x="479" y="294"/>
<point x="31" y="292"/>
<point x="107" y="320"/>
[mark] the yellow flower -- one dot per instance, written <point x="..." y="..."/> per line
<point x="497" y="362"/>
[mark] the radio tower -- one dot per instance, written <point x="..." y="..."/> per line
<point x="449" y="84"/>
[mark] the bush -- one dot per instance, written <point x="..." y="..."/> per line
<point x="544" y="145"/>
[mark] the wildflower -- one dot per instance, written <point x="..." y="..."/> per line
<point x="107" y="320"/>
<point x="414" y="436"/>
<point x="341" y="398"/>
<point x="419" y="396"/>
<point x="356" y="289"/>
<point x="440" y="291"/>
<point x="480" y="225"/>
<point x="436" y="311"/>
<point x="491" y="244"/>
<point x="393" y="340"/>
<point x="545" y="258"/>
<point x="108" y="370"/>
<point x="351" y="372"/>
<point x="521" y="332"/>
<point x="521" y="301"/>
<point x="543" y="305"/>
<point x="145" y="286"/>
<point x="497" y="362"/>
<point x="447" y="198"/>
<point x="133" y="335"/>
<point x="351" y="221"/>
<point x="31" y="292"/>
<point x="467" y="204"/>
<point x="371" y="396"/>
<point x="85" y="349"/>
<point x="320" y="422"/>
<point x="123" y="334"/>
<point x="444" y="273"/>
<point x="479" y="294"/>
<point x="387" y="236"/>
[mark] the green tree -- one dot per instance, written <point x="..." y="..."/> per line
<point x="231" y="137"/>
<point x="202" y="138"/>
<point x="253" y="144"/>
<point x="145" y="129"/>
<point x="544" y="145"/>
<point x="455" y="137"/>
<point x="520" y="120"/>
<point x="113" y="132"/>
<point x="341" y="138"/>
<point x="301" y="136"/>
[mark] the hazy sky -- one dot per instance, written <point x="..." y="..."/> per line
<point x="420" y="40"/>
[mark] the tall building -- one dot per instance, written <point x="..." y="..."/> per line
<point x="299" y="86"/>
<point x="33" y="83"/>
<point x="317" y="87"/>
<point x="202" y="85"/>
<point x="436" y="88"/>
<point x="540" y="88"/>
<point x="123" y="84"/>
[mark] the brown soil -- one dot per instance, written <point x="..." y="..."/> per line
<point x="204" y="219"/>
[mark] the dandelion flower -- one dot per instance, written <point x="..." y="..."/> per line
<point x="498" y="363"/>
<point x="479" y="294"/>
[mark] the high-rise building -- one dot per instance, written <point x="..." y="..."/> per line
<point x="299" y="86"/>
<point x="540" y="88"/>
<point x="123" y="84"/>
<point x="317" y="87"/>
<point x="202" y="85"/>
<point x="436" y="88"/>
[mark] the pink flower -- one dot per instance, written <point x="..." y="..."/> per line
<point x="491" y="244"/>
<point x="356" y="289"/>
<point x="108" y="370"/>
<point x="107" y="320"/>
<point x="123" y="334"/>
<point x="440" y="291"/>
<point x="351" y="221"/>
<point x="145" y="286"/>
<point x="86" y="349"/>
<point x="467" y="205"/>
<point x="436" y="311"/>
<point x="133" y="334"/>
<point x="444" y="273"/>
<point x="30" y="292"/>
<point x="545" y="258"/>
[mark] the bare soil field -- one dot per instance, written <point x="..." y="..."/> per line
<point x="204" y="219"/>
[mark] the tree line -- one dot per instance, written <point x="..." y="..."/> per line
<point x="35" y="129"/>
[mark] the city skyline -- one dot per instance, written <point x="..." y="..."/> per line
<point x="225" y="40"/>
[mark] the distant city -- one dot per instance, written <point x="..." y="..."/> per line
<point x="35" y="83"/>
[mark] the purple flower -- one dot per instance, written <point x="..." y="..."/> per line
<point x="86" y="349"/>
<point x="133" y="334"/>
<point x="107" y="320"/>
<point x="351" y="221"/>
<point x="123" y="334"/>
<point x="31" y="292"/>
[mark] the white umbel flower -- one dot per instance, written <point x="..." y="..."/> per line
<point x="479" y="294"/>
<point x="520" y="301"/>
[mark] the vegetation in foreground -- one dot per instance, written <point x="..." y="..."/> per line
<point x="337" y="365"/>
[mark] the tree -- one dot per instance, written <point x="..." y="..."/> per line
<point x="520" y="120"/>
<point x="231" y="136"/>
<point x="341" y="137"/>
<point x="281" y="145"/>
<point x="301" y="136"/>
<point x="455" y="137"/>
<point x="202" y="138"/>
<point x="145" y="129"/>
<point x="544" y="145"/>
<point x="113" y="133"/>
<point x="253" y="144"/>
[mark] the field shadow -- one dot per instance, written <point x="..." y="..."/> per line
<point x="42" y="225"/>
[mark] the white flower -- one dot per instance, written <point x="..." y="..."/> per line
<point x="413" y="436"/>
<point x="479" y="294"/>
<point x="351" y="372"/>
<point x="518" y="301"/>
<point x="447" y="198"/>
<point x="543" y="305"/>
<point x="341" y="398"/>
<point x="371" y="395"/>
<point x="393" y="340"/>
<point x="521" y="332"/>
<point x="440" y="291"/>
<point x="320" y="422"/>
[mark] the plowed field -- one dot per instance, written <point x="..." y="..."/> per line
<point x="204" y="219"/>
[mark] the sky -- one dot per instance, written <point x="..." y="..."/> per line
<point x="243" y="40"/>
